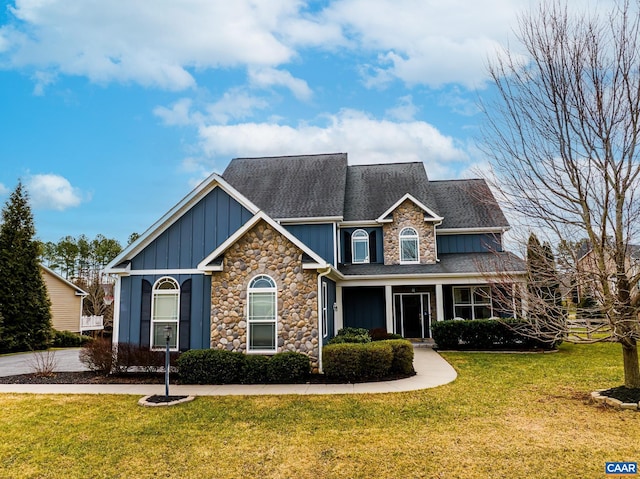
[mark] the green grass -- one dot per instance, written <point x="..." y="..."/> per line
<point x="507" y="415"/>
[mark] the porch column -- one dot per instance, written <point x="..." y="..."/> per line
<point x="388" y="303"/>
<point x="338" y="320"/>
<point x="439" y="302"/>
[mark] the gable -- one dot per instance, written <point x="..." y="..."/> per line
<point x="199" y="230"/>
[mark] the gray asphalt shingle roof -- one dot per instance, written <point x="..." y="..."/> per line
<point x="292" y="186"/>
<point x="323" y="185"/>
<point x="476" y="263"/>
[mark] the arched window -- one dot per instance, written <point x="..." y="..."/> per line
<point x="360" y="246"/>
<point x="165" y="310"/>
<point x="262" y="315"/>
<point x="409" y="251"/>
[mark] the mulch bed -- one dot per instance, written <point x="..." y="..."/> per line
<point x="623" y="393"/>
<point x="89" y="377"/>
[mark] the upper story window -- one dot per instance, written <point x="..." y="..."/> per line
<point x="409" y="251"/>
<point x="261" y="315"/>
<point x="360" y="246"/>
<point x="165" y="309"/>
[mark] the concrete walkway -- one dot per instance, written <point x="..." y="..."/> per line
<point x="431" y="371"/>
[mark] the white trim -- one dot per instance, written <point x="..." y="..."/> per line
<point x="116" y="312"/>
<point x="388" y="298"/>
<point x="433" y="216"/>
<point x="480" y="230"/>
<point x="273" y="290"/>
<point x="363" y="239"/>
<point x="425" y="334"/>
<point x="359" y="224"/>
<point x="204" y="188"/>
<point x="415" y="237"/>
<point x="261" y="215"/>
<point x="146" y="272"/>
<point x="157" y="292"/>
<point x="311" y="219"/>
<point x="439" y="302"/>
<point x="472" y="304"/>
<point x="444" y="278"/>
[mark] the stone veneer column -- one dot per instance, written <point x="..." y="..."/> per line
<point x="408" y="214"/>
<point x="262" y="250"/>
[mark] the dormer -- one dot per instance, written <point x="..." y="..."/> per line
<point x="408" y="229"/>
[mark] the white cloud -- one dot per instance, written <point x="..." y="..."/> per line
<point x="3" y="190"/>
<point x="405" y="110"/>
<point x="154" y="44"/>
<point x="52" y="192"/>
<point x="365" y="139"/>
<point x="268" y="77"/>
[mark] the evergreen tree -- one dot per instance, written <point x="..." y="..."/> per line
<point x="24" y="304"/>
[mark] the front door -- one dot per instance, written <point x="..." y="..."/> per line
<point x="412" y="313"/>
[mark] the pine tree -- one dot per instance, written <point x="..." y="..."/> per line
<point x="24" y="303"/>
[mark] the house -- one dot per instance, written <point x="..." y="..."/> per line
<point x="66" y="301"/>
<point x="277" y="254"/>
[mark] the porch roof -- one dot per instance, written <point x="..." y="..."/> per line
<point x="448" y="264"/>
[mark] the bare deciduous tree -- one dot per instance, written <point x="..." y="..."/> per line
<point x="563" y="135"/>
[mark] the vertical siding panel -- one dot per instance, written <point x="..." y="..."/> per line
<point x="173" y="246"/>
<point x="223" y="221"/>
<point x="136" y="302"/>
<point x="186" y="241"/>
<point x="235" y="216"/>
<point x="162" y="251"/>
<point x="198" y="233"/>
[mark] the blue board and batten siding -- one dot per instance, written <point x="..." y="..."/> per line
<point x="318" y="237"/>
<point x="198" y="232"/>
<point x="469" y="243"/>
<point x="195" y="234"/>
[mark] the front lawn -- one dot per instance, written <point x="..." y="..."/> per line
<point x="507" y="415"/>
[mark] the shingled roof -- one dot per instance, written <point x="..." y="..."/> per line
<point x="292" y="186"/>
<point x="324" y="186"/>
<point x="372" y="189"/>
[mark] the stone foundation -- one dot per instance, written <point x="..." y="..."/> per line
<point x="262" y="250"/>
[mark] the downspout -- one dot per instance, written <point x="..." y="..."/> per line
<point x="324" y="272"/>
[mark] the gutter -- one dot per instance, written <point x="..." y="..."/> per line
<point x="323" y="273"/>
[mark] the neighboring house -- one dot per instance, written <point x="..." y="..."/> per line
<point x="66" y="301"/>
<point x="279" y="253"/>
<point x="589" y="281"/>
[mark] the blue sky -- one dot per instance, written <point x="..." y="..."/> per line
<point x="112" y="111"/>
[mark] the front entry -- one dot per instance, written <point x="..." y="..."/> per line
<point x="412" y="315"/>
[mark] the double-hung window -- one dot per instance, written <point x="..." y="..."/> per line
<point x="262" y="317"/>
<point x="360" y="246"/>
<point x="165" y="310"/>
<point x="409" y="251"/>
<point x="472" y="302"/>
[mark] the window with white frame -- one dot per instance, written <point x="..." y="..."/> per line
<point x="261" y="315"/>
<point x="360" y="246"/>
<point x="165" y="310"/>
<point x="472" y="302"/>
<point x="409" y="252"/>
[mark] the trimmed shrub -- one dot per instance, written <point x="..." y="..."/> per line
<point x="131" y="356"/>
<point x="210" y="366"/>
<point x="342" y="361"/>
<point x="255" y="369"/>
<point x="402" y="356"/>
<point x="381" y="334"/>
<point x="483" y="334"/>
<point x="375" y="360"/>
<point x="351" y="335"/>
<point x="98" y="355"/>
<point x="288" y="367"/>
<point x="67" y="339"/>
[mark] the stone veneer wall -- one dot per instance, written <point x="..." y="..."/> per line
<point x="407" y="214"/>
<point x="263" y="250"/>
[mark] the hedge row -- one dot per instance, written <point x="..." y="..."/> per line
<point x="368" y="361"/>
<point x="362" y="335"/>
<point x="217" y="366"/>
<point x="483" y="334"/>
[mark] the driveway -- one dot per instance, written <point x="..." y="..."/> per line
<point x="66" y="360"/>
